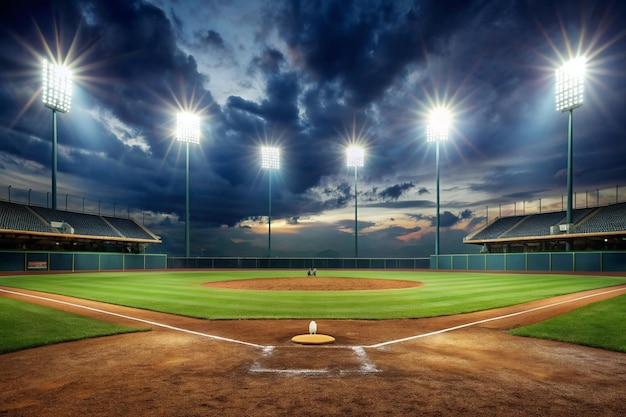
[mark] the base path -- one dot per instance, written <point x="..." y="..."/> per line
<point x="473" y="368"/>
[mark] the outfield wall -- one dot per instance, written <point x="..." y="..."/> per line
<point x="534" y="261"/>
<point x="33" y="261"/>
<point x="297" y="263"/>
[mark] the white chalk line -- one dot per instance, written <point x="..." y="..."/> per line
<point x="366" y="367"/>
<point x="449" y="329"/>
<point x="256" y="368"/>
<point x="152" y="323"/>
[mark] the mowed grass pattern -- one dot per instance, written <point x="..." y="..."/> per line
<point x="24" y="325"/>
<point x="183" y="293"/>
<point x="600" y="324"/>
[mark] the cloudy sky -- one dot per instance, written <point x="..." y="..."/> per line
<point x="311" y="77"/>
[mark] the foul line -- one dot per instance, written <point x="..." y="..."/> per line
<point x="153" y="323"/>
<point x="367" y="366"/>
<point x="406" y="339"/>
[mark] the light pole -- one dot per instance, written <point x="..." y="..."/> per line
<point x="355" y="158"/>
<point x="187" y="131"/>
<point x="570" y="83"/>
<point x="270" y="160"/>
<point x="437" y="131"/>
<point x="57" y="96"/>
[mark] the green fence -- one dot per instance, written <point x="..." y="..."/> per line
<point x="18" y="261"/>
<point x="550" y="261"/>
<point x="297" y="263"/>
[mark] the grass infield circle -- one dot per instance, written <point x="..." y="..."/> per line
<point x="313" y="339"/>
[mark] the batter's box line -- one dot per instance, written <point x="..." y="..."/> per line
<point x="366" y="366"/>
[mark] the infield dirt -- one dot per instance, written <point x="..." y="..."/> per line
<point x="478" y="370"/>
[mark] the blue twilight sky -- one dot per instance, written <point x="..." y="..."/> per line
<point x="311" y="77"/>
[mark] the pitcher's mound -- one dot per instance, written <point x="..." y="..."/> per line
<point x="312" y="339"/>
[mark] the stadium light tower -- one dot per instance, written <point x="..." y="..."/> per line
<point x="57" y="96"/>
<point x="570" y="83"/>
<point x="355" y="158"/>
<point x="187" y="131"/>
<point x="437" y="131"/>
<point x="270" y="160"/>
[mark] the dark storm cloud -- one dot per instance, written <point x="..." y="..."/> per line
<point x="317" y="74"/>
<point x="446" y="218"/>
<point x="145" y="65"/>
<point x="405" y="204"/>
<point x="268" y="62"/>
<point x="211" y="39"/>
<point x="365" y="46"/>
<point x="337" y="197"/>
<point x="349" y="224"/>
<point x="396" y="191"/>
<point x="280" y="106"/>
<point x="128" y="62"/>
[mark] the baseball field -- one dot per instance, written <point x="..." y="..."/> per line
<point x="219" y="343"/>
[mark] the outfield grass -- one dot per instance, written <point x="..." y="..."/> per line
<point x="24" y="325"/>
<point x="599" y="324"/>
<point x="182" y="293"/>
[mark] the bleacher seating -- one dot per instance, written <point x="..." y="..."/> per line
<point x="579" y="214"/>
<point x="495" y="229"/>
<point x="128" y="228"/>
<point x="18" y="217"/>
<point x="83" y="224"/>
<point x="14" y="216"/>
<point x="539" y="224"/>
<point x="588" y="220"/>
<point x="535" y="225"/>
<point x="608" y="219"/>
<point x="25" y="227"/>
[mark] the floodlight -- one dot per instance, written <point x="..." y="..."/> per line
<point x="355" y="156"/>
<point x="57" y="87"/>
<point x="57" y="96"/>
<point x="270" y="157"/>
<point x="188" y="128"/>
<point x="356" y="159"/>
<point x="570" y="82"/>
<point x="187" y="131"/>
<point x="270" y="160"/>
<point x="570" y="85"/>
<point x="437" y="129"/>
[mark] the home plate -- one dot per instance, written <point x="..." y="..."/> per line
<point x="313" y="339"/>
